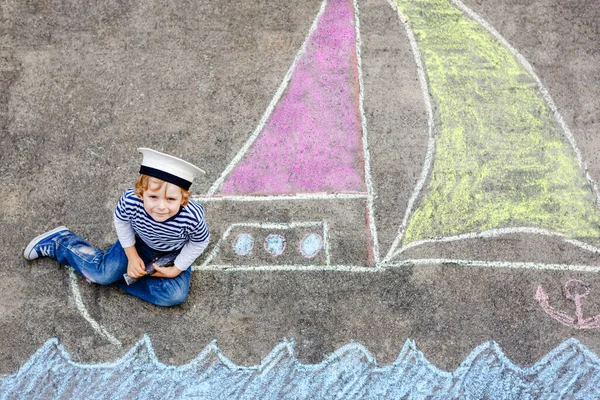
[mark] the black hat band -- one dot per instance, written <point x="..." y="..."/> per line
<point x="165" y="176"/>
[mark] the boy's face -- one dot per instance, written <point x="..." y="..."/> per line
<point x="162" y="200"/>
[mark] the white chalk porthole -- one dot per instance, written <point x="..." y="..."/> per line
<point x="311" y="245"/>
<point x="275" y="244"/>
<point x="243" y="244"/>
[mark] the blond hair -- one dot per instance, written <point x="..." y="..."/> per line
<point x="143" y="183"/>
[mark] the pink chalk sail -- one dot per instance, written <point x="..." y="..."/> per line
<point x="312" y="140"/>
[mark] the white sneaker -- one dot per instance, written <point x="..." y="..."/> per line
<point x="43" y="246"/>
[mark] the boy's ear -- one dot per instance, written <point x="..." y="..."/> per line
<point x="185" y="197"/>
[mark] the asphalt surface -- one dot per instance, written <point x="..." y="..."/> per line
<point x="82" y="85"/>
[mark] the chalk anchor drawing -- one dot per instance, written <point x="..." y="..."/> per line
<point x="574" y="290"/>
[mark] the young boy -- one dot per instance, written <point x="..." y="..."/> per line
<point x="153" y="219"/>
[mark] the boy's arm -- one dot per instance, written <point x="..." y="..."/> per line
<point x="188" y="255"/>
<point x="126" y="235"/>
<point x="125" y="232"/>
<point x="166" y="272"/>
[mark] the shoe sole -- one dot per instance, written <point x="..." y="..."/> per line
<point x="31" y="245"/>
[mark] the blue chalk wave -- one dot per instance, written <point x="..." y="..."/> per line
<point x="569" y="371"/>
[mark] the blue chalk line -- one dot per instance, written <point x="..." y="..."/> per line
<point x="351" y="372"/>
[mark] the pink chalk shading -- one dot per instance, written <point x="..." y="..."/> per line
<point x="574" y="290"/>
<point x="312" y="140"/>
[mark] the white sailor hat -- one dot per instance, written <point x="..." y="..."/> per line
<point x="168" y="168"/>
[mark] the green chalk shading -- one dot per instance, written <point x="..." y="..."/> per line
<point x="501" y="159"/>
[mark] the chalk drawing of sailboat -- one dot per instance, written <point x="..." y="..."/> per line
<point x="505" y="162"/>
<point x="307" y="165"/>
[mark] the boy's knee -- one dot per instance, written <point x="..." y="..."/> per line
<point x="102" y="275"/>
<point x="102" y="279"/>
<point x="174" y="297"/>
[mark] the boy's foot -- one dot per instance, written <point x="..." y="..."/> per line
<point x="42" y="246"/>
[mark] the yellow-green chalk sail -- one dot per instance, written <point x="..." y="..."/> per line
<point x="501" y="159"/>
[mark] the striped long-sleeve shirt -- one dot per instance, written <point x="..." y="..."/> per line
<point x="185" y="231"/>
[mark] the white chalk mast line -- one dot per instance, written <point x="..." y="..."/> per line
<point x="431" y="147"/>
<point x="427" y="163"/>
<point x="365" y="142"/>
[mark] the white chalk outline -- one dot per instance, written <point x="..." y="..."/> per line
<point x="498" y="232"/>
<point x="219" y="182"/>
<point x="288" y="267"/>
<point x="382" y="267"/>
<point x="267" y="225"/>
<point x="492" y="264"/>
<point x="284" y="197"/>
<point x="340" y="269"/>
<point x="430" y="132"/>
<point x="84" y="312"/>
<point x="431" y="145"/>
<point x="366" y="153"/>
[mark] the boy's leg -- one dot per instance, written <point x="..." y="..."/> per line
<point x="109" y="266"/>
<point x="93" y="264"/>
<point x="161" y="291"/>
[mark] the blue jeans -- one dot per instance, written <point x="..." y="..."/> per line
<point x="106" y="267"/>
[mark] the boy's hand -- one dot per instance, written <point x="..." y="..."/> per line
<point x="165" y="272"/>
<point x="136" y="267"/>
